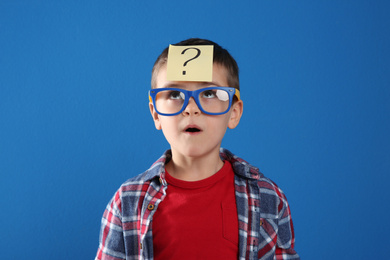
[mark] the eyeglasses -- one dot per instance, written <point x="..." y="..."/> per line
<point x="211" y="100"/>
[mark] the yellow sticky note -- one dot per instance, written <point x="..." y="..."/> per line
<point x="190" y="63"/>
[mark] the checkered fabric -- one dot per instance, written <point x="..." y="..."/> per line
<point x="265" y="225"/>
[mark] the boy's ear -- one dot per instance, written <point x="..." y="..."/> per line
<point x="155" y="117"/>
<point x="236" y="113"/>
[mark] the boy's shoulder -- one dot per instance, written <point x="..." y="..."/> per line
<point x="240" y="166"/>
<point x="244" y="168"/>
<point x="147" y="176"/>
<point x="271" y="195"/>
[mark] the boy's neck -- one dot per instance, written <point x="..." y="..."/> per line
<point x="193" y="169"/>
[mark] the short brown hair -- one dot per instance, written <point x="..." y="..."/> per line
<point x="221" y="56"/>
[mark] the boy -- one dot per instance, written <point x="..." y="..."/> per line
<point x="198" y="201"/>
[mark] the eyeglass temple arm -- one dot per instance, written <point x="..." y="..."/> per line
<point x="237" y="94"/>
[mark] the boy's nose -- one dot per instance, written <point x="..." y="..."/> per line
<point x="192" y="108"/>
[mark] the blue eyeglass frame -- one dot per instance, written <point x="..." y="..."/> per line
<point x="195" y="94"/>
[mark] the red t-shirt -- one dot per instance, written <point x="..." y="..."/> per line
<point x="197" y="220"/>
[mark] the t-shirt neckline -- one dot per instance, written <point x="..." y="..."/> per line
<point x="201" y="183"/>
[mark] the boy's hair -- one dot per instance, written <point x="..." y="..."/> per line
<point x="221" y="56"/>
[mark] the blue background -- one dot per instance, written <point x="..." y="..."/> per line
<point x="75" y="124"/>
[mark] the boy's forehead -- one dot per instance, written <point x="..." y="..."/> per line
<point x="190" y="63"/>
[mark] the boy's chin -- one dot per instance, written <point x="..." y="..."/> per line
<point x="196" y="152"/>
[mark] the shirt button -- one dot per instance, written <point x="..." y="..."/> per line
<point x="150" y="207"/>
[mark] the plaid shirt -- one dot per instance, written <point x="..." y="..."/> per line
<point x="265" y="224"/>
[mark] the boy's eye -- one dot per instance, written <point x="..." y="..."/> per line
<point x="209" y="93"/>
<point x="176" y="95"/>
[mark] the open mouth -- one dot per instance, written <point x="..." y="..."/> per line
<point x="192" y="130"/>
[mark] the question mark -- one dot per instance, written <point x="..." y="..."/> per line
<point x="196" y="56"/>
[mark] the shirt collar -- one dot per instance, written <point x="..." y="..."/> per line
<point x="240" y="166"/>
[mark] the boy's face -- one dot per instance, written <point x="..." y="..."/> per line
<point x="210" y="128"/>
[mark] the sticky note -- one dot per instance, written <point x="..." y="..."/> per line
<point x="190" y="63"/>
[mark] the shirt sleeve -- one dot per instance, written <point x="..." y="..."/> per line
<point x="285" y="239"/>
<point x="111" y="240"/>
